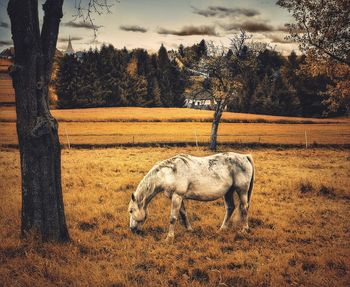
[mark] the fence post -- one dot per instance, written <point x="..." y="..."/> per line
<point x="305" y="139"/>
<point x="196" y="138"/>
<point x="67" y="138"/>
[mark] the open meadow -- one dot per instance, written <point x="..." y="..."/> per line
<point x="299" y="219"/>
<point x="115" y="126"/>
<point x="110" y="108"/>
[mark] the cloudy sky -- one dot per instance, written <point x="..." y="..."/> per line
<point x="149" y="23"/>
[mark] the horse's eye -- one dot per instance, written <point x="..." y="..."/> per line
<point x="130" y="211"/>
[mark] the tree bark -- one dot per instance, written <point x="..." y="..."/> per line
<point x="215" y="125"/>
<point x="37" y="130"/>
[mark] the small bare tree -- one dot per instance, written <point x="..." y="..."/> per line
<point x="223" y="68"/>
<point x="220" y="82"/>
<point x="220" y="65"/>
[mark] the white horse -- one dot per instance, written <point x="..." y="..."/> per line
<point x="198" y="178"/>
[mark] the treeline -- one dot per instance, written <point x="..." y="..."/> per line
<point x="272" y="83"/>
<point x="110" y="77"/>
<point x="278" y="85"/>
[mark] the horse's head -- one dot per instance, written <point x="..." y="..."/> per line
<point x="138" y="214"/>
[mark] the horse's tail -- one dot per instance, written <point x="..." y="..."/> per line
<point x="251" y="185"/>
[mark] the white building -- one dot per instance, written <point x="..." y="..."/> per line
<point x="201" y="100"/>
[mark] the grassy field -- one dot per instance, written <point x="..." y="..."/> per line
<point x="118" y="126"/>
<point x="133" y="114"/>
<point x="6" y="90"/>
<point x="299" y="218"/>
<point x="92" y="133"/>
<point x="299" y="214"/>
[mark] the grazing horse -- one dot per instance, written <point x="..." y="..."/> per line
<point x="198" y="178"/>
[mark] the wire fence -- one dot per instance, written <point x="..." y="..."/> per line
<point x="304" y="139"/>
<point x="108" y="134"/>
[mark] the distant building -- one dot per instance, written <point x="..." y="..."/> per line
<point x="69" y="50"/>
<point x="8" y="53"/>
<point x="200" y="99"/>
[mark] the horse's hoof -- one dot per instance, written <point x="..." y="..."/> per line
<point x="169" y="239"/>
<point x="222" y="228"/>
<point x="189" y="228"/>
<point x="245" y="230"/>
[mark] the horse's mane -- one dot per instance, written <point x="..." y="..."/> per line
<point x="147" y="185"/>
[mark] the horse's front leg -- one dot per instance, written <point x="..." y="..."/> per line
<point x="176" y="202"/>
<point x="183" y="215"/>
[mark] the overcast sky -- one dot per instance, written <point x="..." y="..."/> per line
<point x="149" y="23"/>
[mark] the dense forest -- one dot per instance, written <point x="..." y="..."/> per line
<point x="272" y="83"/>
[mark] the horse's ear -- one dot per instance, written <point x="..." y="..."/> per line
<point x="132" y="197"/>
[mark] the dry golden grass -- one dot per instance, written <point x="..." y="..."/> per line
<point x="299" y="218"/>
<point x="6" y="90"/>
<point x="128" y="114"/>
<point x="94" y="133"/>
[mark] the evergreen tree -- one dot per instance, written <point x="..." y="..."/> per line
<point x="201" y="49"/>
<point x="67" y="82"/>
<point x="164" y="68"/>
<point x="156" y="92"/>
<point x="261" y="100"/>
<point x="181" y="51"/>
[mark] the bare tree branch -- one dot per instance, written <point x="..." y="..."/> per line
<point x="85" y="10"/>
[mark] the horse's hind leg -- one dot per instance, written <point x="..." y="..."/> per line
<point x="184" y="218"/>
<point x="243" y="207"/>
<point x="230" y="207"/>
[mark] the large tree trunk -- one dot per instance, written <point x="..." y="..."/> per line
<point x="215" y="125"/>
<point x="40" y="153"/>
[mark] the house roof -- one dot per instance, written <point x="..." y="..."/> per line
<point x="9" y="52"/>
<point x="199" y="95"/>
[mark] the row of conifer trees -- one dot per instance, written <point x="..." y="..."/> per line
<point x="118" y="77"/>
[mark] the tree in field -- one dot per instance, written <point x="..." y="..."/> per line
<point x="230" y="76"/>
<point x="243" y="64"/>
<point x="40" y="153"/>
<point x="220" y="81"/>
<point x="321" y="26"/>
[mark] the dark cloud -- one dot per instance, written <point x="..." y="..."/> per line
<point x="4" y="25"/>
<point x="283" y="29"/>
<point x="278" y="39"/>
<point x="74" y="38"/>
<point x="220" y="11"/>
<point x="189" y="31"/>
<point x="81" y="24"/>
<point x="248" y="26"/>
<point x="257" y="27"/>
<point x="133" y="28"/>
<point x="94" y="41"/>
<point x="6" y="43"/>
<point x="286" y="29"/>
